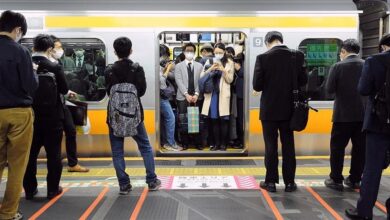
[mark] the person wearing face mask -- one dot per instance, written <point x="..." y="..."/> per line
<point x="79" y="59"/>
<point x="17" y="86"/>
<point x="348" y="114"/>
<point x="69" y="127"/>
<point x="187" y="75"/>
<point x="371" y="83"/>
<point x="216" y="106"/>
<point x="48" y="124"/>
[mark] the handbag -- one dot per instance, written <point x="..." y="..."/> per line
<point x="168" y="92"/>
<point x="300" y="114"/>
<point x="193" y="119"/>
<point x="381" y="102"/>
<point x="78" y="110"/>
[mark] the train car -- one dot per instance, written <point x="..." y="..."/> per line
<point x="316" y="28"/>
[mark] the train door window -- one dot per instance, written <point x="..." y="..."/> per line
<point x="84" y="62"/>
<point x="174" y="118"/>
<point x="320" y="55"/>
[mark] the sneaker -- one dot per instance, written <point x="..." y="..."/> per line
<point x="78" y="168"/>
<point x="51" y="195"/>
<point x="155" y="185"/>
<point x="350" y="184"/>
<point x="17" y="216"/>
<point x="172" y="148"/>
<point x="125" y="189"/>
<point x="330" y="183"/>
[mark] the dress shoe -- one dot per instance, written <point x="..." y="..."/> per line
<point x="291" y="187"/>
<point x="223" y="148"/>
<point x="330" y="183"/>
<point x="29" y="195"/>
<point x="199" y="147"/>
<point x="214" y="148"/>
<point x="238" y="146"/>
<point x="78" y="168"/>
<point x="350" y="184"/>
<point x="270" y="187"/>
<point x="51" y="195"/>
<point x="353" y="214"/>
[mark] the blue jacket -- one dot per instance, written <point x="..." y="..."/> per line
<point x="17" y="78"/>
<point x="372" y="79"/>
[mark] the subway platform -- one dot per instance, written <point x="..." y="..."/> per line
<point x="196" y="189"/>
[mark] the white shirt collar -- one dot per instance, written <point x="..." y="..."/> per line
<point x="352" y="54"/>
<point x="192" y="62"/>
<point x="39" y="54"/>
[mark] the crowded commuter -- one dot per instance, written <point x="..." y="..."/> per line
<point x="17" y="86"/>
<point x="239" y="92"/>
<point x="69" y="126"/>
<point x="187" y="75"/>
<point x="207" y="52"/>
<point x="127" y="74"/>
<point x="230" y="51"/>
<point x="167" y="91"/>
<point x="348" y="114"/>
<point x="216" y="106"/>
<point x="49" y="116"/>
<point x="372" y="83"/>
<point x="274" y="78"/>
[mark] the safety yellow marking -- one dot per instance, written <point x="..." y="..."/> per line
<point x="260" y="21"/>
<point x="204" y="171"/>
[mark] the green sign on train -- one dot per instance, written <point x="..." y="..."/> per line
<point x="321" y="54"/>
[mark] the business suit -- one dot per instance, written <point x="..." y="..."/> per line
<point x="183" y="88"/>
<point x="348" y="114"/>
<point x="273" y="76"/>
<point x="378" y="133"/>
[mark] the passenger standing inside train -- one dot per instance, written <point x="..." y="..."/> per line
<point x="120" y="72"/>
<point x="166" y="93"/>
<point x="348" y="114"/>
<point x="48" y="124"/>
<point x="274" y="78"/>
<point x="216" y="105"/>
<point x="17" y="85"/>
<point x="69" y="126"/>
<point x="239" y="90"/>
<point x="377" y="132"/>
<point x="207" y="53"/>
<point x="187" y="75"/>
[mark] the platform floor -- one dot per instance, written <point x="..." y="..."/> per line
<point x="195" y="189"/>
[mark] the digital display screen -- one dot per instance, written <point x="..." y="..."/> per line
<point x="321" y="54"/>
<point x="206" y="37"/>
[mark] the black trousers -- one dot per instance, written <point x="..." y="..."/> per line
<point x="70" y="140"/>
<point x="49" y="135"/>
<point x="271" y="130"/>
<point x="220" y="129"/>
<point x="377" y="145"/>
<point x="192" y="139"/>
<point x="240" y="120"/>
<point x="342" y="132"/>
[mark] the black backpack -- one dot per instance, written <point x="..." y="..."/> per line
<point x="45" y="96"/>
<point x="381" y="103"/>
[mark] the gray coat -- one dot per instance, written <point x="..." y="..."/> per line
<point x="181" y="78"/>
<point x="343" y="81"/>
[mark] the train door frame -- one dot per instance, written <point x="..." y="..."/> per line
<point x="244" y="151"/>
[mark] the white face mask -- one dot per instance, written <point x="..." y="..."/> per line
<point x="218" y="56"/>
<point x="189" y="55"/>
<point x="57" y="54"/>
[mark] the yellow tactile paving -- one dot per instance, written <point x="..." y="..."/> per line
<point x="204" y="171"/>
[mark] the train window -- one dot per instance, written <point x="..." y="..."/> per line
<point x="84" y="61"/>
<point x="173" y="104"/>
<point x="320" y="55"/>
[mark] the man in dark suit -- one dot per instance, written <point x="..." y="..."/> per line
<point x="377" y="132"/>
<point x="348" y="114"/>
<point x="274" y="77"/>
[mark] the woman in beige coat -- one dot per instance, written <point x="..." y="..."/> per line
<point x="216" y="105"/>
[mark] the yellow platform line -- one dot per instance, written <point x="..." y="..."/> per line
<point x="204" y="171"/>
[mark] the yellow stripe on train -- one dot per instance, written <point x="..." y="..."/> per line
<point x="319" y="122"/>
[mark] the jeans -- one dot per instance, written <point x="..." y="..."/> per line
<point x="168" y="122"/>
<point x="118" y="155"/>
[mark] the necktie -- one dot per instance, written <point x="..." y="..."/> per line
<point x="191" y="80"/>
<point x="79" y="62"/>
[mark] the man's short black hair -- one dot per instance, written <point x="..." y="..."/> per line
<point x="272" y="36"/>
<point x="9" y="20"/>
<point x="207" y="49"/>
<point x="42" y="42"/>
<point x="164" y="50"/>
<point x="122" y="47"/>
<point x="189" y="45"/>
<point x="385" y="40"/>
<point x="351" y="46"/>
<point x="231" y="50"/>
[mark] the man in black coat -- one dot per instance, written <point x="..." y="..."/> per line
<point x="348" y="114"/>
<point x="273" y="76"/>
<point x="377" y="132"/>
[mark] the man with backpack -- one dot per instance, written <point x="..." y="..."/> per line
<point x="17" y="85"/>
<point x="49" y="115"/>
<point x="126" y="84"/>
<point x="376" y="72"/>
